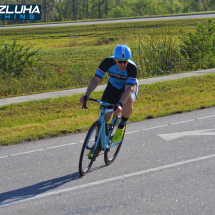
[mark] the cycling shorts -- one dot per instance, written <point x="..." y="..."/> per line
<point x="112" y="95"/>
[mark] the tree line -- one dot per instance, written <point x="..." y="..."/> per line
<point x="66" y="10"/>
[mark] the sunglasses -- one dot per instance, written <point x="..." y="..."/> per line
<point x="121" y="61"/>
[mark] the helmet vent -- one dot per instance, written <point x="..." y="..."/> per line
<point x="123" y="52"/>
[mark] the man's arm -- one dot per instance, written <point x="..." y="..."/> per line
<point x="91" y="87"/>
<point x="93" y="84"/>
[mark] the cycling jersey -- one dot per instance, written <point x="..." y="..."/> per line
<point x="116" y="77"/>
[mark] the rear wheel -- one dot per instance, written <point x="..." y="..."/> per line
<point x="85" y="162"/>
<point x="112" y="152"/>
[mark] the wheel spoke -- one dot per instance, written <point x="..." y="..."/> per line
<point x="112" y="152"/>
<point x="87" y="154"/>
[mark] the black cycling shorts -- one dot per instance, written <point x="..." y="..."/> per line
<point x="112" y="95"/>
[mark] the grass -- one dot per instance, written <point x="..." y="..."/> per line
<point x="89" y="35"/>
<point x="71" y="54"/>
<point x="52" y="117"/>
<point x="70" y="68"/>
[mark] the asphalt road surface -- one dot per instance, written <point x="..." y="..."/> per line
<point x="165" y="166"/>
<point x="196" y="16"/>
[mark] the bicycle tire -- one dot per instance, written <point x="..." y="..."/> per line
<point x="85" y="163"/>
<point x="111" y="154"/>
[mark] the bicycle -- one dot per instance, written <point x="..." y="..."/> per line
<point x="99" y="138"/>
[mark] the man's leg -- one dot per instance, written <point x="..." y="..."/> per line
<point x="111" y="95"/>
<point x="107" y="116"/>
<point x="128" y="107"/>
<point x="126" y="112"/>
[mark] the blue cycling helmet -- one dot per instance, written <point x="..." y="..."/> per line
<point x="122" y="52"/>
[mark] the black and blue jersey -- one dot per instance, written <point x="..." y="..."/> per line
<point x="116" y="77"/>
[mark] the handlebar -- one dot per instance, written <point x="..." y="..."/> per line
<point x="100" y="102"/>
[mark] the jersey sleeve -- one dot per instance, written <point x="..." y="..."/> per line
<point x="104" y="66"/>
<point x="132" y="74"/>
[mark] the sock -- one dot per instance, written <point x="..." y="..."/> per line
<point x="123" y="122"/>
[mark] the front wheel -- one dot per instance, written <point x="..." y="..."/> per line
<point x="86" y="161"/>
<point x="112" y="152"/>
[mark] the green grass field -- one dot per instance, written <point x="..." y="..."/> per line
<point x="90" y="35"/>
<point x="71" y="54"/>
<point x="52" y="117"/>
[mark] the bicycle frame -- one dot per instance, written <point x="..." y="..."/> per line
<point x="99" y="138"/>
<point x="101" y="133"/>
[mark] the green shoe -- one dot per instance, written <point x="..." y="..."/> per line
<point x="90" y="155"/>
<point x="118" y="135"/>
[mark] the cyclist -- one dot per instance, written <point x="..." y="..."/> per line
<point x="122" y="87"/>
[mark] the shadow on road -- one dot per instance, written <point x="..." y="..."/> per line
<point x="36" y="189"/>
<point x="40" y="188"/>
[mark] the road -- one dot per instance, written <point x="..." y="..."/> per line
<point x="165" y="166"/>
<point x="196" y="16"/>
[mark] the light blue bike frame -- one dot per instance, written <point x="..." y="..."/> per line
<point x="102" y="133"/>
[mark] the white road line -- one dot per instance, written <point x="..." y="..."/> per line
<point x="175" y="123"/>
<point x="131" y="132"/>
<point x="39" y="150"/>
<point x="107" y="180"/>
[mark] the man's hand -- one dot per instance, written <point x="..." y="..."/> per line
<point x="117" y="109"/>
<point x="84" y="99"/>
<point x="91" y="87"/>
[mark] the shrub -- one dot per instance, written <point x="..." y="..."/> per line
<point x="15" y="60"/>
<point x="118" y="12"/>
<point x="199" y="47"/>
<point x="158" y="53"/>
